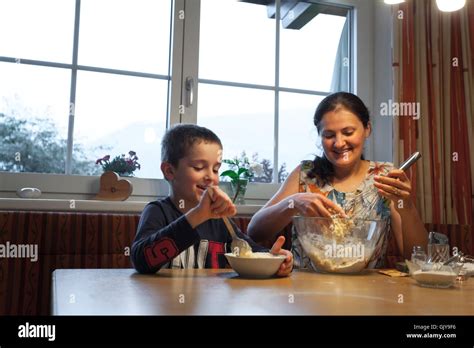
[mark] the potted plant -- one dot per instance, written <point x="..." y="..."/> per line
<point x="122" y="165"/>
<point x="240" y="172"/>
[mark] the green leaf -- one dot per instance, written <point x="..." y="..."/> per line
<point x="242" y="171"/>
<point x="231" y="174"/>
<point x="228" y="161"/>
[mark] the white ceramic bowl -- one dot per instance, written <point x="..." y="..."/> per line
<point x="260" y="265"/>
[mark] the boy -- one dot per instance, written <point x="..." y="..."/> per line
<point x="185" y="230"/>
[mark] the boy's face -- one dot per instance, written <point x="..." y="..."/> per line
<point x="195" y="172"/>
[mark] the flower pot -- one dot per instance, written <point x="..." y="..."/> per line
<point x="239" y="187"/>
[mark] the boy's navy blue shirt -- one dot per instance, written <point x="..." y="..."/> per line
<point x="166" y="239"/>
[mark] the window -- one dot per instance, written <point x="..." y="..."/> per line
<point x="124" y="112"/>
<point x="34" y="99"/>
<point x="241" y="117"/>
<point x="40" y="30"/>
<point x="101" y="69"/>
<point x="259" y="86"/>
<point x="89" y="78"/>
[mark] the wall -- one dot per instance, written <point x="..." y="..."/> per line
<point x="383" y="82"/>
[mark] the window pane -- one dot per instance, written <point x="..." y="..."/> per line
<point x="125" y="34"/>
<point x="33" y="118"/>
<point x="41" y="30"/>
<point x="237" y="42"/>
<point x="241" y="117"/>
<point x="121" y="113"/>
<point x="308" y="54"/>
<point x="298" y="137"/>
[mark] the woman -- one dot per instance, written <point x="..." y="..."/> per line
<point x="322" y="186"/>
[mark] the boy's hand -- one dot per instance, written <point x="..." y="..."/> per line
<point x="214" y="204"/>
<point x="220" y="204"/>
<point x="287" y="265"/>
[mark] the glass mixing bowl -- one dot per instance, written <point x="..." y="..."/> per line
<point x="339" y="245"/>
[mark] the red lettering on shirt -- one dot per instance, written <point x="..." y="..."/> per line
<point x="160" y="252"/>
<point x="215" y="248"/>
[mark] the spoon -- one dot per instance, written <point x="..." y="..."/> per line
<point x="239" y="246"/>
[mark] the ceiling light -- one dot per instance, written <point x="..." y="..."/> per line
<point x="450" y="5"/>
<point x="393" y="2"/>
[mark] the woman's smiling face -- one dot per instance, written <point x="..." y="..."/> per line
<point x="343" y="136"/>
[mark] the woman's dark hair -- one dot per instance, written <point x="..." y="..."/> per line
<point x="323" y="170"/>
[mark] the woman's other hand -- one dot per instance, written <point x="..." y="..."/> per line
<point x="314" y="204"/>
<point x="396" y="187"/>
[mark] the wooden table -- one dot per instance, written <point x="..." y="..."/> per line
<point x="222" y="292"/>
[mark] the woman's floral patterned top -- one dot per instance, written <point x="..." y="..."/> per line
<point x="364" y="202"/>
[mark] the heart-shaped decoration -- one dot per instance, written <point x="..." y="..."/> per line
<point x="112" y="188"/>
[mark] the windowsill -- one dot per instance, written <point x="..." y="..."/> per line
<point x="82" y="205"/>
<point x="76" y="193"/>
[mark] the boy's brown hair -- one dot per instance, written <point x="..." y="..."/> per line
<point x="180" y="138"/>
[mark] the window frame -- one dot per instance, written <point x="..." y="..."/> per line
<point x="192" y="66"/>
<point x="362" y="78"/>
<point x="74" y="67"/>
